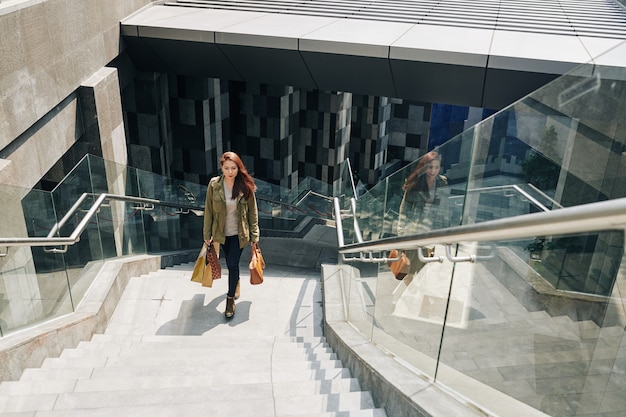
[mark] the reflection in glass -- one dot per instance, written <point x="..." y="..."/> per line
<point x="534" y="326"/>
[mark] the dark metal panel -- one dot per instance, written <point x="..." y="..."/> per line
<point x="196" y="59"/>
<point x="143" y="57"/>
<point x="503" y="87"/>
<point x="356" y="74"/>
<point x="439" y="83"/>
<point x="182" y="57"/>
<point x="270" y="66"/>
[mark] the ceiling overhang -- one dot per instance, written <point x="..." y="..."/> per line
<point x="464" y="64"/>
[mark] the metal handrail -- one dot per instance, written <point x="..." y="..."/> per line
<point x="515" y="187"/>
<point x="546" y="196"/>
<point x="74" y="237"/>
<point x="351" y="179"/>
<point x="313" y="193"/>
<point x="593" y="217"/>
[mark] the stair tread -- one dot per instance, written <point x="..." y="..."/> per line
<point x="239" y="363"/>
<point x="118" y="377"/>
<point x="179" y="395"/>
<point x="260" y="407"/>
<point x="148" y="348"/>
<point x="372" y="412"/>
<point x="280" y="389"/>
<point x="225" y="371"/>
<point x="188" y="395"/>
<point x="242" y="354"/>
<point x="308" y="340"/>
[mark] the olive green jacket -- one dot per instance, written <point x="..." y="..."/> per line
<point x="215" y="215"/>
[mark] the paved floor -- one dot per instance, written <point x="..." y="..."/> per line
<point x="288" y="303"/>
<point x="169" y="351"/>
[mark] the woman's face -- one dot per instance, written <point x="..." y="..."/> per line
<point x="433" y="168"/>
<point x="230" y="170"/>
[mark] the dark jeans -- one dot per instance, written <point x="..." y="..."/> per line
<point x="232" y="252"/>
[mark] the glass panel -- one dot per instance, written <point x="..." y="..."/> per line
<point x="534" y="326"/>
<point x="561" y="146"/>
<point x="359" y="282"/>
<point x="130" y="228"/>
<point x="37" y="284"/>
<point x="282" y="209"/>
<point x="121" y="227"/>
<point x="565" y="141"/>
<point x="514" y="343"/>
<point x="410" y="311"/>
<point x="412" y="203"/>
<point x="33" y="284"/>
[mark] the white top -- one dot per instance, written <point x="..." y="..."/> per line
<point x="232" y="217"/>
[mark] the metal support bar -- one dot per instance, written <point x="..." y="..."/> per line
<point x="55" y="250"/>
<point x="368" y="257"/>
<point x="144" y="206"/>
<point x="339" y="224"/>
<point x="452" y="258"/>
<point x="428" y="259"/>
<point x="5" y="253"/>
<point x="357" y="229"/>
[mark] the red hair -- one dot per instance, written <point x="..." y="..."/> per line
<point x="244" y="183"/>
<point x="412" y="182"/>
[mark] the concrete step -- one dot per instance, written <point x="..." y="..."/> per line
<point x="52" y="384"/>
<point x="309" y="387"/>
<point x="66" y="370"/>
<point x="237" y="374"/>
<point x="374" y="412"/>
<point x="203" y="343"/>
<point x="114" y="378"/>
<point x="305" y="342"/>
<point x="261" y="407"/>
<point x="133" y="399"/>
<point x="324" y="403"/>
<point x="114" y="349"/>
<point x="238" y="361"/>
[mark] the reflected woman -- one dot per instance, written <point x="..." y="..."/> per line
<point x="420" y="209"/>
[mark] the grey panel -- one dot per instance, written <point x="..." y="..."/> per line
<point x="443" y="45"/>
<point x="441" y="83"/>
<point x="271" y="66"/>
<point x="356" y="74"/>
<point x="531" y="65"/>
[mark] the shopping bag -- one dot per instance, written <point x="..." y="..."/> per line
<point x="257" y="264"/>
<point x="207" y="267"/>
<point x="214" y="261"/>
<point x="399" y="268"/>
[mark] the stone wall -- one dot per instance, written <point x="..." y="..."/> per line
<point x="49" y="49"/>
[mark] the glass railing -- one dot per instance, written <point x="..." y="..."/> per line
<point x="32" y="285"/>
<point x="287" y="210"/>
<point x="38" y="283"/>
<point x="532" y="326"/>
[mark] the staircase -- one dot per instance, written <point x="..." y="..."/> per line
<point x="169" y="351"/>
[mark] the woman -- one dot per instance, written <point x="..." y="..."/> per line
<point x="421" y="207"/>
<point x="231" y="218"/>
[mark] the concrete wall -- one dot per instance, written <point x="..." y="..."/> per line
<point x="54" y="89"/>
<point x="49" y="49"/>
<point x="30" y="347"/>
